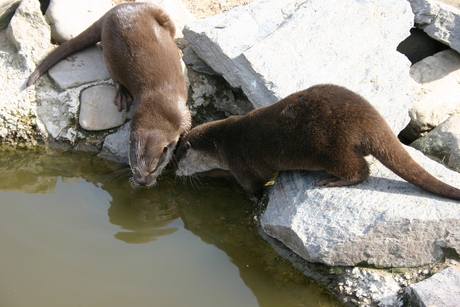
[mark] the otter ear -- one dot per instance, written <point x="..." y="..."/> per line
<point x="188" y="145"/>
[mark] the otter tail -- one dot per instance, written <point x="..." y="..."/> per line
<point x="87" y="38"/>
<point x="395" y="157"/>
<point x="164" y="20"/>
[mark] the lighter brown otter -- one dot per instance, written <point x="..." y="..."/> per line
<point x="144" y="63"/>
<point x="325" y="127"/>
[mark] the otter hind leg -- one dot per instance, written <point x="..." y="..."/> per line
<point x="348" y="171"/>
<point x="123" y="98"/>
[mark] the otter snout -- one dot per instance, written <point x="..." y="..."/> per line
<point x="143" y="181"/>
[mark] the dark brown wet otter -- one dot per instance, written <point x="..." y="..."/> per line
<point x="325" y="127"/>
<point x="144" y="62"/>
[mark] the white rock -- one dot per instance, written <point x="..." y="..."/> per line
<point x="80" y="68"/>
<point x="29" y="32"/>
<point x="291" y="45"/>
<point x="7" y="9"/>
<point x="436" y="94"/>
<point x="376" y="285"/>
<point x="383" y="221"/>
<point x="69" y="18"/>
<point x="97" y="109"/>
<point x="21" y="45"/>
<point x="438" y="20"/>
<point x="441" y="289"/>
<point x="443" y="142"/>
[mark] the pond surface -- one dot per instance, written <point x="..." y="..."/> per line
<point x="74" y="233"/>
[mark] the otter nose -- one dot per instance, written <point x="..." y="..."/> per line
<point x="140" y="181"/>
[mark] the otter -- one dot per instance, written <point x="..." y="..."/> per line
<point x="325" y="127"/>
<point x="145" y="65"/>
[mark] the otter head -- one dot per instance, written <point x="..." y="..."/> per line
<point x="149" y="153"/>
<point x="192" y="157"/>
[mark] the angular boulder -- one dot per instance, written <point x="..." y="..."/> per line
<point x="384" y="221"/>
<point x="438" y="20"/>
<point x="116" y="145"/>
<point x="443" y="142"/>
<point x="436" y="92"/>
<point x="290" y="45"/>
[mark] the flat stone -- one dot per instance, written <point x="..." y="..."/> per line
<point x="69" y="18"/>
<point x="384" y="221"/>
<point x="439" y="20"/>
<point x="97" y="109"/>
<point x="441" y="289"/>
<point x="290" y="45"/>
<point x="80" y="68"/>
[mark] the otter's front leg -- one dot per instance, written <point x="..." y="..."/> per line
<point x="252" y="184"/>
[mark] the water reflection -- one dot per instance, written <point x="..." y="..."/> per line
<point x="144" y="214"/>
<point x="216" y="211"/>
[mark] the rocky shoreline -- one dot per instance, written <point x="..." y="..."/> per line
<point x="287" y="46"/>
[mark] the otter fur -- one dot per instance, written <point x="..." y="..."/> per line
<point x="145" y="65"/>
<point x="325" y="127"/>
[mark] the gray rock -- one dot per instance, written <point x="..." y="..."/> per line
<point x="441" y="289"/>
<point x="80" y="68"/>
<point x="438" y="20"/>
<point x="69" y="18"/>
<point x="58" y="111"/>
<point x="291" y="45"/>
<point x="443" y="143"/>
<point x="191" y="58"/>
<point x="116" y="145"/>
<point x="383" y="221"/>
<point x="97" y="109"/>
<point x="210" y="99"/>
<point x="7" y="9"/>
<point x="436" y="92"/>
<point x="178" y="12"/>
<point x="370" y="286"/>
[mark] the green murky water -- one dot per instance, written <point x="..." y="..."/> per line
<point x="74" y="233"/>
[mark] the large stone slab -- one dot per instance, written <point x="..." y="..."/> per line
<point x="438" y="20"/>
<point x="442" y="289"/>
<point x="290" y="45"/>
<point x="384" y="221"/>
<point x="80" y="68"/>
